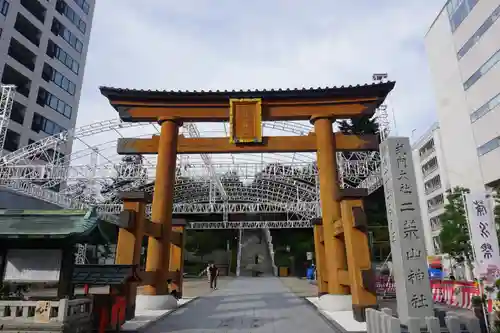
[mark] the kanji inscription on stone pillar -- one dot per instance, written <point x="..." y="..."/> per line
<point x="245" y="120"/>
<point x="409" y="258"/>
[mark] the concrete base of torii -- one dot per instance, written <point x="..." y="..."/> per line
<point x="155" y="302"/>
<point x="334" y="303"/>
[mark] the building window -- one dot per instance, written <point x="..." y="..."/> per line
<point x="432" y="184"/>
<point x="458" y="10"/>
<point x="27" y="29"/>
<point x="40" y="123"/>
<point x="83" y="4"/>
<point x="35" y="8"/>
<point x="487" y="107"/>
<point x="22" y="54"/>
<point x="50" y="74"/>
<point x="59" y="29"/>
<point x="430" y="166"/>
<point x="12" y="140"/>
<point x="435" y="203"/>
<point x="54" y="51"/>
<point x="489" y="146"/>
<point x="18" y="112"/>
<point x="479" y="33"/>
<point x="4" y="7"/>
<point x="492" y="61"/>
<point x="22" y="83"/>
<point x="46" y="98"/>
<point x="435" y="223"/>
<point x="436" y="242"/>
<point x="426" y="149"/>
<point x="64" y="9"/>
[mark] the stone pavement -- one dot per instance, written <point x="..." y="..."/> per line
<point x="249" y="305"/>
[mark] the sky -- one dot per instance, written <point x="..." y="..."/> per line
<point x="229" y="44"/>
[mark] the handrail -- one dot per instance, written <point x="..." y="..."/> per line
<point x="269" y="239"/>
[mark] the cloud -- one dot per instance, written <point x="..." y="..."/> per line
<point x="227" y="44"/>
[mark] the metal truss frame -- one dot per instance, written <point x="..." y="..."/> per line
<point x="291" y="184"/>
<point x="307" y="208"/>
<point x="6" y="102"/>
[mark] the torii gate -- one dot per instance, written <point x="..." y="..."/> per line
<point x="341" y="244"/>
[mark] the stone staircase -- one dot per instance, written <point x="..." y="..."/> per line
<point x="255" y="256"/>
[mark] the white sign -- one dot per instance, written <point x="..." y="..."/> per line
<point x="309" y="256"/>
<point x="483" y="232"/>
<point x="33" y="265"/>
<point x="409" y="257"/>
<point x="42" y="312"/>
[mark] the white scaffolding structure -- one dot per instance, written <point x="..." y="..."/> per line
<point x="93" y="174"/>
<point x="6" y="102"/>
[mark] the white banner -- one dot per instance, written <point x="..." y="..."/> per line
<point x="483" y="232"/>
<point x="33" y="265"/>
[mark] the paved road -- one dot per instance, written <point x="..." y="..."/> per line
<point x="249" y="305"/>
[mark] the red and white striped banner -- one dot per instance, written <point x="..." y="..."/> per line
<point x="454" y="293"/>
<point x="449" y="292"/>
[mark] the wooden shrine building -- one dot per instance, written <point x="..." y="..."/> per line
<point x="341" y="242"/>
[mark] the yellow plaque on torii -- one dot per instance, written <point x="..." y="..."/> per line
<point x="245" y="120"/>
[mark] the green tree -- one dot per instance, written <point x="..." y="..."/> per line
<point x="359" y="125"/>
<point x="454" y="235"/>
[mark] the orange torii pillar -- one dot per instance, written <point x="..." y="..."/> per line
<point x="338" y="298"/>
<point x="319" y="256"/>
<point x="158" y="258"/>
<point x="329" y="190"/>
<point x="128" y="250"/>
<point x="177" y="242"/>
<point x="361" y="273"/>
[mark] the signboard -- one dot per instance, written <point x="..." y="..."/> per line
<point x="42" y="312"/>
<point x="245" y="120"/>
<point x="309" y="255"/>
<point x="33" y="265"/>
<point x="483" y="232"/>
<point x="413" y="292"/>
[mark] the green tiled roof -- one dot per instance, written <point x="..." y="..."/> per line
<point x="47" y="223"/>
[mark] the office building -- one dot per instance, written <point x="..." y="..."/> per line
<point x="432" y="183"/>
<point x="463" y="46"/>
<point x="432" y="175"/>
<point x="43" y="46"/>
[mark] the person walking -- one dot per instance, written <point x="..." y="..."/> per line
<point x="214" y="273"/>
<point x="206" y="271"/>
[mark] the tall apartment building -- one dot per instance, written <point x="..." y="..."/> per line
<point x="432" y="182"/>
<point x="43" y="46"/>
<point x="463" y="46"/>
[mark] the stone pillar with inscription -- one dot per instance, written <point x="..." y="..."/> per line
<point x="413" y="292"/>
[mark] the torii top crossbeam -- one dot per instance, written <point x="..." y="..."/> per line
<point x="213" y="106"/>
<point x="251" y="107"/>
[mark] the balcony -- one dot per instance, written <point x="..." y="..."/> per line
<point x="427" y="149"/>
<point x="435" y="223"/>
<point x="22" y="83"/>
<point x="432" y="185"/>
<point x="427" y="153"/>
<point x="35" y="8"/>
<point x="22" y="54"/>
<point x="435" y="203"/>
<point x="27" y="29"/>
<point x="430" y="167"/>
